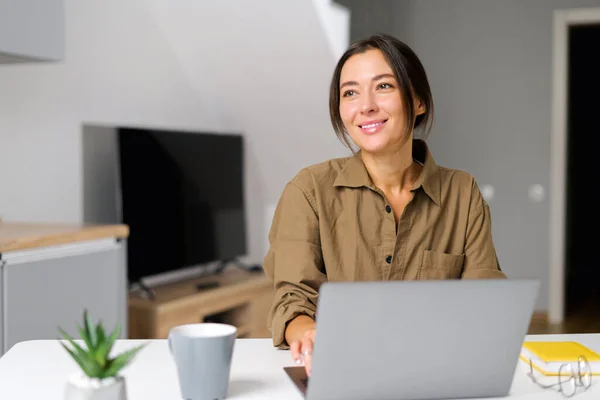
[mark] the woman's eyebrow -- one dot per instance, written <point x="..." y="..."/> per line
<point x="375" y="78"/>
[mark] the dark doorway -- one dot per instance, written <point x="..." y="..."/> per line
<point x="582" y="239"/>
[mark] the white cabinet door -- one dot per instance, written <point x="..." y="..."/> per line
<point x="50" y="287"/>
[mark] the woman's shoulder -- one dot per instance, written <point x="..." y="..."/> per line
<point x="460" y="183"/>
<point x="455" y="176"/>
<point x="322" y="174"/>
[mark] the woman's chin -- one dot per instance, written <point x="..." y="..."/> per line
<point x="373" y="146"/>
<point x="379" y="143"/>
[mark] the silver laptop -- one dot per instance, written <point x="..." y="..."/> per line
<point x="417" y="339"/>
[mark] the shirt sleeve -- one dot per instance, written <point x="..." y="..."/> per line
<point x="294" y="260"/>
<point x="481" y="261"/>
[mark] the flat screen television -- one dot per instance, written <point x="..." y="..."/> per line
<point x="182" y="196"/>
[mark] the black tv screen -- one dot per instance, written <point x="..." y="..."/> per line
<point x="182" y="196"/>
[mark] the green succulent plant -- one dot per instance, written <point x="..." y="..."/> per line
<point x="95" y="360"/>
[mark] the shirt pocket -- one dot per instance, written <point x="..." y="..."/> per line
<point x="437" y="265"/>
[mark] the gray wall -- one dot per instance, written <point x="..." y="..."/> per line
<point x="490" y="67"/>
<point x="372" y="16"/>
<point x="31" y="28"/>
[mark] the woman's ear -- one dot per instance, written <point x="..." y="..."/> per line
<point x="420" y="107"/>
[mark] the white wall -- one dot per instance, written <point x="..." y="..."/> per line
<point x="260" y="68"/>
<point x="335" y="22"/>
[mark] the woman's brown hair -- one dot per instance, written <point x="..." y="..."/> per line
<point x="409" y="73"/>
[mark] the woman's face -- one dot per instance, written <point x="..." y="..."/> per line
<point x="371" y="104"/>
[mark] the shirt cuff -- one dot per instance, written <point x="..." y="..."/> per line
<point x="282" y="316"/>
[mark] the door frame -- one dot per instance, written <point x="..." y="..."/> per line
<point x="563" y="20"/>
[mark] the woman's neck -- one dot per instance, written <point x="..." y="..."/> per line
<point x="393" y="172"/>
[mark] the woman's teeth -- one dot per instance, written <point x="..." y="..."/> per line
<point x="372" y="125"/>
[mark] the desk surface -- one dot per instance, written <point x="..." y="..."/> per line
<point x="23" y="236"/>
<point x="38" y="370"/>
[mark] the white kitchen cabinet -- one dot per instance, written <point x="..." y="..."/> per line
<point x="46" y="286"/>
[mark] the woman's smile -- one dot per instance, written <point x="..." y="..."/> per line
<point x="372" y="127"/>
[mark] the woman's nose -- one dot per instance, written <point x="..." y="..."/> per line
<point x="368" y="104"/>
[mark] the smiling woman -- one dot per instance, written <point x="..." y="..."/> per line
<point x="380" y="68"/>
<point x="388" y="212"/>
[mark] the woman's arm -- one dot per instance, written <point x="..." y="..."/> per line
<point x="481" y="261"/>
<point x="294" y="262"/>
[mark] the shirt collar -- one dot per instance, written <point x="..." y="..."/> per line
<point x="355" y="175"/>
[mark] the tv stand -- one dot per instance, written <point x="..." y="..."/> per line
<point x="236" y="263"/>
<point x="234" y="296"/>
<point x="207" y="285"/>
<point x="147" y="292"/>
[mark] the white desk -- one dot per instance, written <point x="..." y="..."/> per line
<point x="38" y="370"/>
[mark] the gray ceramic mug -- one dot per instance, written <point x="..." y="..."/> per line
<point x="202" y="354"/>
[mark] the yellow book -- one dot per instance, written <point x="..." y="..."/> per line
<point x="547" y="357"/>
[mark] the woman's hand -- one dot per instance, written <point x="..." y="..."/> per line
<point x="302" y="349"/>
<point x="300" y="334"/>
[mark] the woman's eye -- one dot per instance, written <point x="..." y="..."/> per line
<point x="348" y="93"/>
<point x="385" y="86"/>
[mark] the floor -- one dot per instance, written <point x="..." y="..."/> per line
<point x="585" y="319"/>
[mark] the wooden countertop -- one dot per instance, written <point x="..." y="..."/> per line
<point x="21" y="236"/>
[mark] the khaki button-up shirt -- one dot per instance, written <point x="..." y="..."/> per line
<point x="333" y="224"/>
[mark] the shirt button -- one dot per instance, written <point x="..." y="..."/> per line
<point x="388" y="259"/>
<point x="388" y="209"/>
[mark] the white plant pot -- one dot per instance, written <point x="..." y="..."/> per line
<point x="80" y="387"/>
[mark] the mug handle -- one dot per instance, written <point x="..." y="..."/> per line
<point x="170" y="345"/>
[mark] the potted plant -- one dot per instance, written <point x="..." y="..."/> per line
<point x="99" y="378"/>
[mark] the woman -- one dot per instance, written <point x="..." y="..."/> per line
<point x="387" y="212"/>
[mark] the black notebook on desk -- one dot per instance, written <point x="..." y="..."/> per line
<point x="299" y="377"/>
